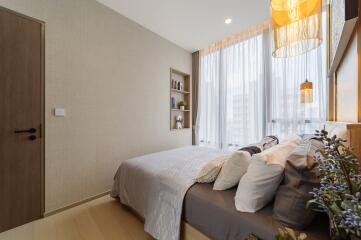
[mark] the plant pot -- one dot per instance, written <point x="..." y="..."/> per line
<point x="181" y="108"/>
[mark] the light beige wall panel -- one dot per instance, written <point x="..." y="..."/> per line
<point x="112" y="76"/>
<point x="347" y="85"/>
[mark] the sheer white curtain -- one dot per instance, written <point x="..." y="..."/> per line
<point x="287" y="115"/>
<point x="245" y="94"/>
<point x="209" y="100"/>
<point x="231" y="99"/>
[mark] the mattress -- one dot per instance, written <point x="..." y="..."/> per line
<point x="214" y="214"/>
<point x="155" y="184"/>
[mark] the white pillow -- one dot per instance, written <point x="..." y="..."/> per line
<point x="340" y="132"/>
<point x="209" y="172"/>
<point x="292" y="138"/>
<point x="278" y="154"/>
<point x="303" y="155"/>
<point x="232" y="170"/>
<point x="258" y="186"/>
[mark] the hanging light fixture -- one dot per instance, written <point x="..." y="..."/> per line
<point x="297" y="26"/>
<point x="306" y="88"/>
<point x="306" y="92"/>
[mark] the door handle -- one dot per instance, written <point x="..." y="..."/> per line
<point x="31" y="130"/>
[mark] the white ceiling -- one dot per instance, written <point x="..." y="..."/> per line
<point x="192" y="24"/>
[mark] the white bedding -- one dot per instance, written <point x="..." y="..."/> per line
<point x="154" y="185"/>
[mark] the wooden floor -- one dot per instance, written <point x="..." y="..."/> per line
<point x="100" y="219"/>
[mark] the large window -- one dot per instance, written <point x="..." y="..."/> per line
<point x="232" y="94"/>
<point x="246" y="94"/>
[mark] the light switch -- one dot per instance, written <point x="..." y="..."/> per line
<point x="59" y="112"/>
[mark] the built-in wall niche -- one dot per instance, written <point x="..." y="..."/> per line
<point x="180" y="100"/>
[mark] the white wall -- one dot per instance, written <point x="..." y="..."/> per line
<point x="112" y="76"/>
<point x="347" y="84"/>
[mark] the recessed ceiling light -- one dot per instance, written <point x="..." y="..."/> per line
<point x="228" y="21"/>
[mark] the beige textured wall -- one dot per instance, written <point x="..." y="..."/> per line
<point x="347" y="84"/>
<point x="112" y="76"/>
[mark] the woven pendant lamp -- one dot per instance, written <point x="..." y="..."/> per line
<point x="297" y="26"/>
<point x="306" y="92"/>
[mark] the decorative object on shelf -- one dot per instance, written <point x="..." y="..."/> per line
<point x="297" y="26"/>
<point x="173" y="103"/>
<point x="179" y="122"/>
<point x="179" y="82"/>
<point x="306" y="92"/>
<point x="340" y="192"/>
<point x="181" y="105"/>
<point x="289" y="234"/>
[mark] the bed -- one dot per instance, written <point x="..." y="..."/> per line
<point x="160" y="188"/>
<point x="154" y="185"/>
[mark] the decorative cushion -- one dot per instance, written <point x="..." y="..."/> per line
<point x="251" y="149"/>
<point x="292" y="196"/>
<point x="258" y="185"/>
<point x="279" y="153"/>
<point x="303" y="155"/>
<point x="340" y="130"/>
<point x="210" y="171"/>
<point x="269" y="141"/>
<point x="340" y="133"/>
<point x="232" y="170"/>
<point x="292" y="138"/>
<point x="264" y="144"/>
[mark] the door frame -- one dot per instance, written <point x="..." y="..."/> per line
<point x="42" y="102"/>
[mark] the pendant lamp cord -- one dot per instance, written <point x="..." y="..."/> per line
<point x="306" y="66"/>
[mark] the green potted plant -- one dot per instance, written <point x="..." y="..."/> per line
<point x="181" y="105"/>
<point x="339" y="192"/>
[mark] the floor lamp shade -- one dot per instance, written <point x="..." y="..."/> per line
<point x="297" y="26"/>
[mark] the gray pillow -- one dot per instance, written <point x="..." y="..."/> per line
<point x="293" y="194"/>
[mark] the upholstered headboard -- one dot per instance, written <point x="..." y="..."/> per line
<point x="349" y="131"/>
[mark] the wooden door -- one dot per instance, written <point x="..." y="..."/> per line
<point x="21" y="118"/>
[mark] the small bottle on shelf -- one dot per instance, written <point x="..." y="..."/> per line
<point x="173" y="103"/>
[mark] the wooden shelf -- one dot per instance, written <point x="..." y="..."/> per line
<point x="179" y="110"/>
<point x="175" y="129"/>
<point x="183" y="81"/>
<point x="179" y="91"/>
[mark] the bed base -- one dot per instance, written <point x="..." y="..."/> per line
<point x="188" y="232"/>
